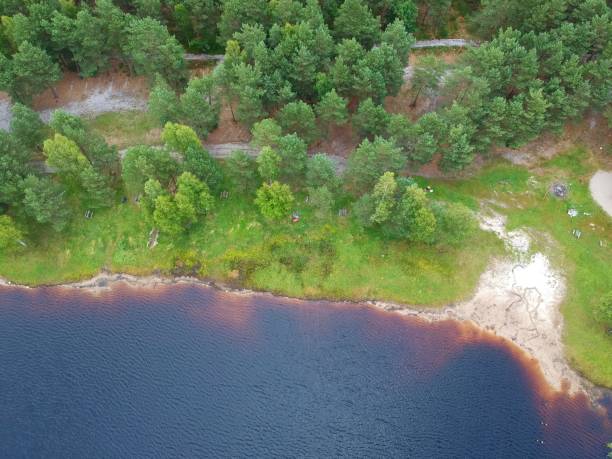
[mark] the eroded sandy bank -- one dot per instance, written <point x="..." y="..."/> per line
<point x="517" y="298"/>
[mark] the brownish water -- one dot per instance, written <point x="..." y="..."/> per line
<point x="190" y="371"/>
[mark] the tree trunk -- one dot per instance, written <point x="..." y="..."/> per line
<point x="414" y="102"/>
<point x="232" y="111"/>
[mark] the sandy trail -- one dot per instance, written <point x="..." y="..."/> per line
<point x="601" y="190"/>
<point x="224" y="150"/>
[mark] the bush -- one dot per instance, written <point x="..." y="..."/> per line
<point x="246" y="261"/>
<point x="603" y="312"/>
<point x="274" y="200"/>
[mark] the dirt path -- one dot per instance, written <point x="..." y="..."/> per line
<point x="420" y="44"/>
<point x="601" y="190"/>
<point x="444" y="43"/>
<point x="224" y="150"/>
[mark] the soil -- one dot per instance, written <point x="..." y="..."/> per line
<point x="109" y="92"/>
<point x="341" y="141"/>
<point x="592" y="131"/>
<point x="228" y="130"/>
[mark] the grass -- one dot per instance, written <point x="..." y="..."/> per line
<point x="333" y="259"/>
<point x="524" y="197"/>
<point x="124" y="129"/>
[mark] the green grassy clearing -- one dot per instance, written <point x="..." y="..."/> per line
<point x="124" y="129"/>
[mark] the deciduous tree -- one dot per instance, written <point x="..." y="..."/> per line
<point x="274" y="200"/>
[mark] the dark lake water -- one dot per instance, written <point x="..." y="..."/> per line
<point x="185" y="371"/>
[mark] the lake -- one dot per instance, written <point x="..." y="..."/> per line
<point x="190" y="371"/>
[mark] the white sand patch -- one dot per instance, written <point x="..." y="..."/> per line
<point x="601" y="190"/>
<point x="108" y="99"/>
<point x="516" y="241"/>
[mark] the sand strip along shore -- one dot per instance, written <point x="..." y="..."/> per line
<point x="517" y="298"/>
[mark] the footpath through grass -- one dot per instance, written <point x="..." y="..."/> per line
<point x="524" y="197"/>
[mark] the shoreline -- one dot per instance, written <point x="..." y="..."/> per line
<point x="517" y="298"/>
<point x="549" y="364"/>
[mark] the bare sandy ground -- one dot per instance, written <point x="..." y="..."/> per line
<point x="601" y="190"/>
<point x="99" y="101"/>
<point x="87" y="97"/>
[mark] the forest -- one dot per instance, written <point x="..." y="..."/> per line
<point x="292" y="73"/>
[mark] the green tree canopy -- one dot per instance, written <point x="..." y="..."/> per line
<point x="45" y="202"/>
<point x="28" y="73"/>
<point x="355" y="19"/>
<point x="163" y="102"/>
<point x="274" y="200"/>
<point x="266" y="133"/>
<point x="180" y="138"/>
<point x="371" y="119"/>
<point x="152" y="51"/>
<point x="298" y="118"/>
<point x="27" y="127"/>
<point x="268" y="164"/>
<point x="66" y="157"/>
<point x="292" y="151"/>
<point x="10" y="235"/>
<point x="370" y="160"/>
<point x="200" y="105"/>
<point x="320" y="172"/>
<point x="321" y="200"/>
<point x="241" y="170"/>
<point x="332" y="109"/>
